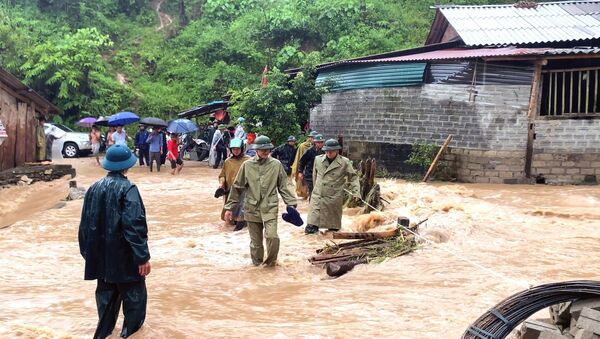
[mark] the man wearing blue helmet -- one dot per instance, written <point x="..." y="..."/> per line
<point x="230" y="169"/>
<point x="113" y="240"/>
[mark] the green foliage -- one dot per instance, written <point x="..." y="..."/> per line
<point x="422" y="155"/>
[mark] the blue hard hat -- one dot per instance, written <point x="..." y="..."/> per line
<point x="118" y="158"/>
<point x="235" y="143"/>
<point x="241" y="119"/>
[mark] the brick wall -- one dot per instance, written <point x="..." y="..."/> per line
<point x="489" y="130"/>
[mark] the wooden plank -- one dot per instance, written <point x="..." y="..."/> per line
<point x="571" y="94"/>
<point x="555" y="94"/>
<point x="21" y="138"/>
<point x="531" y="115"/>
<point x="437" y="158"/>
<point x="595" y="91"/>
<point x="587" y="92"/>
<point x="4" y="146"/>
<point x="550" y="94"/>
<point x="30" y="123"/>
<point x="563" y="93"/>
<point x="8" y="157"/>
<point x="365" y="235"/>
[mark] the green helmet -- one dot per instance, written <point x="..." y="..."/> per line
<point x="262" y="142"/>
<point x="318" y="138"/>
<point x="235" y="143"/>
<point x="331" y="145"/>
<point x="313" y="134"/>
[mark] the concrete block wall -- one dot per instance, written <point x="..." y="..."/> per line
<point x="488" y="124"/>
<point x="493" y="118"/>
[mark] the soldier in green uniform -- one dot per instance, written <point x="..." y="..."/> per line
<point x="331" y="173"/>
<point x="262" y="177"/>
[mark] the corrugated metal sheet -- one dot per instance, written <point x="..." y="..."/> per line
<point x="464" y="53"/>
<point x="497" y="25"/>
<point x="371" y="76"/>
<point x="488" y="73"/>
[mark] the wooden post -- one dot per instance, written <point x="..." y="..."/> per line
<point x="531" y="113"/>
<point x="437" y="158"/>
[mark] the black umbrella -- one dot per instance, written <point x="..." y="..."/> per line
<point x="102" y="121"/>
<point x="154" y="122"/>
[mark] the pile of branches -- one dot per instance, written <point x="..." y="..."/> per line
<point x="339" y="259"/>
<point x="369" y="190"/>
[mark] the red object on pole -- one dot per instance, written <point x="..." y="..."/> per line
<point x="263" y="82"/>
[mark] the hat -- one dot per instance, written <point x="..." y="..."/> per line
<point x="318" y="138"/>
<point x="291" y="138"/>
<point x="222" y="126"/>
<point x="313" y="134"/>
<point x="292" y="216"/>
<point x="220" y="192"/>
<point x="262" y="142"/>
<point x="118" y="157"/>
<point x="235" y="143"/>
<point x="331" y="145"/>
<point x="241" y="119"/>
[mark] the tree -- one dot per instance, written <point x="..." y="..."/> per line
<point x="65" y="69"/>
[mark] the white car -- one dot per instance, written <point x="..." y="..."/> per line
<point x="71" y="144"/>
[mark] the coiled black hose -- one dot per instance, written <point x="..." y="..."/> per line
<point x="500" y="320"/>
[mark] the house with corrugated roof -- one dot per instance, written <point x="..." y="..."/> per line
<point x="516" y="86"/>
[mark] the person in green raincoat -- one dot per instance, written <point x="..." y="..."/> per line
<point x="332" y="173"/>
<point x="261" y="177"/>
<point x="40" y="139"/>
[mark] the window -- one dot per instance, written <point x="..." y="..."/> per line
<point x="570" y="92"/>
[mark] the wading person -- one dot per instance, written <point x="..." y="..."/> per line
<point x="155" y="147"/>
<point x="301" y="188"/>
<point x="142" y="145"/>
<point x="230" y="169"/>
<point x="173" y="154"/>
<point x="218" y="146"/>
<point x="119" y="136"/>
<point x="306" y="163"/>
<point x="332" y="173"/>
<point x="286" y="154"/>
<point x="113" y="240"/>
<point x="95" y="139"/>
<point x="262" y="177"/>
<point x="50" y="137"/>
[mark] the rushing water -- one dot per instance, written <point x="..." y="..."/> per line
<point x="203" y="285"/>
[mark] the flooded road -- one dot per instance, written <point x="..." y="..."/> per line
<point x="203" y="284"/>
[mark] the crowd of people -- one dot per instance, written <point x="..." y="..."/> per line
<point x="113" y="233"/>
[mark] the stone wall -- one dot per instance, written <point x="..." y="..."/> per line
<point x="489" y="128"/>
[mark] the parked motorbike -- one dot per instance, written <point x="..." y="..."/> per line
<point x="193" y="148"/>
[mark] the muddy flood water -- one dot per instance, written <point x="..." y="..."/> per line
<point x="203" y="284"/>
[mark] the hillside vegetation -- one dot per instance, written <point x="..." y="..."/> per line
<point x="97" y="57"/>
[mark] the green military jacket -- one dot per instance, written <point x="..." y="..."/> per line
<point x="262" y="179"/>
<point x="327" y="198"/>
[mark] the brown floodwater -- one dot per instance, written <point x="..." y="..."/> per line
<point x="203" y="284"/>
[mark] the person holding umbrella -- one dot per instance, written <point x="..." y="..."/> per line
<point x="119" y="136"/>
<point x="142" y="145"/>
<point x="155" y="147"/>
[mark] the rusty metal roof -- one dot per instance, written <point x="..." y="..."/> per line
<point x="497" y="25"/>
<point x="465" y="53"/>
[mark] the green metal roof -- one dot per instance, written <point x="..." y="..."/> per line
<point x="372" y="76"/>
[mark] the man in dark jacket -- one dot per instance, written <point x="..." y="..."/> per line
<point x="113" y="240"/>
<point x="306" y="163"/>
<point x="163" y="137"/>
<point x="286" y="154"/>
<point x="142" y="145"/>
